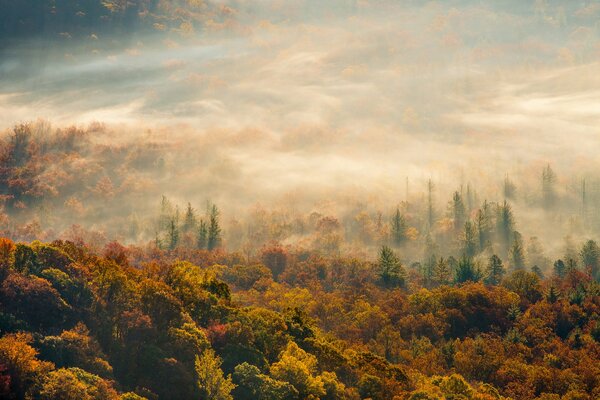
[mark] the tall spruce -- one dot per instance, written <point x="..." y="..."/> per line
<point x="494" y="270"/>
<point x="214" y="230"/>
<point x="390" y="270"/>
<point x="398" y="228"/>
<point x="517" y="253"/>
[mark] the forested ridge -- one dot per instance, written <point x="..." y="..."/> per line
<point x="416" y="304"/>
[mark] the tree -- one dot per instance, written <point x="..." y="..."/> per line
<point x="166" y="213"/>
<point x="211" y="381"/>
<point x="253" y="385"/>
<point x="509" y="188"/>
<point x="494" y="270"/>
<point x="390" y="269"/>
<point x="75" y="384"/>
<point x="173" y="234"/>
<point x="430" y="211"/>
<point x="469" y="240"/>
<point x="202" y="239"/>
<point x="398" y="228"/>
<point x="19" y="360"/>
<point x="214" y="230"/>
<point x="189" y="222"/>
<point x="484" y="226"/>
<point x="559" y="268"/>
<point x="298" y="368"/>
<point x="458" y="211"/>
<point x="548" y="192"/>
<point x="466" y="271"/>
<point x="504" y="226"/>
<point x="442" y="272"/>
<point x="535" y="254"/>
<point x="517" y="256"/>
<point x="590" y="255"/>
<point x="552" y="294"/>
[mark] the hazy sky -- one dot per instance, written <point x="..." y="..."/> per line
<point x="338" y="94"/>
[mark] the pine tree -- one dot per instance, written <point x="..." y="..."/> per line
<point x="552" y="295"/>
<point x="214" y="230"/>
<point x="189" y="222"/>
<point x="390" y="269"/>
<point x="538" y="271"/>
<point x="469" y="240"/>
<point x="590" y="255"/>
<point x="514" y="312"/>
<point x="504" y="226"/>
<point x="517" y="254"/>
<point x="494" y="271"/>
<point x="484" y="226"/>
<point x="442" y="272"/>
<point x="467" y="271"/>
<point x="458" y="211"/>
<point x="173" y="234"/>
<point x="548" y="193"/>
<point x="535" y="254"/>
<point x="509" y="189"/>
<point x="202" y="239"/>
<point x="430" y="212"/>
<point x="166" y="211"/>
<point x="398" y="228"/>
<point x="559" y="268"/>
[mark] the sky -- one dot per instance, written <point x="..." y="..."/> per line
<point x="336" y="96"/>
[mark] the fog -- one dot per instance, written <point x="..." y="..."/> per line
<point x="319" y="107"/>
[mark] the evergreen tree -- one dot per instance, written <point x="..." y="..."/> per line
<point x="442" y="272"/>
<point x="390" y="269"/>
<point x="189" y="222"/>
<point x="214" y="230"/>
<point x="553" y="294"/>
<point x="173" y="234"/>
<point x="458" y="211"/>
<point x="467" y="271"/>
<point x="571" y="255"/>
<point x="166" y="212"/>
<point x="514" y="312"/>
<point x="398" y="228"/>
<point x="590" y="255"/>
<point x="548" y="192"/>
<point x="430" y="211"/>
<point x="469" y="240"/>
<point x="509" y="189"/>
<point x="494" y="270"/>
<point x="535" y="254"/>
<point x="202" y="240"/>
<point x="484" y="226"/>
<point x="560" y="269"/>
<point x="504" y="226"/>
<point x="517" y="255"/>
<point x="538" y="271"/>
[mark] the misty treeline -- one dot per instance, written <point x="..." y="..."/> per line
<point x="97" y="185"/>
<point x="130" y="322"/>
<point x="437" y="297"/>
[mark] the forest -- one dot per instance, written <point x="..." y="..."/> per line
<point x="299" y="200"/>
<point x="437" y="305"/>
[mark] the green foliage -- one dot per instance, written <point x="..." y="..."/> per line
<point x="253" y="385"/>
<point x="494" y="270"/>
<point x="390" y="270"/>
<point x="211" y="381"/>
<point x="214" y="230"/>
<point x="590" y="255"/>
<point x="467" y="271"/>
<point x="398" y="227"/>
